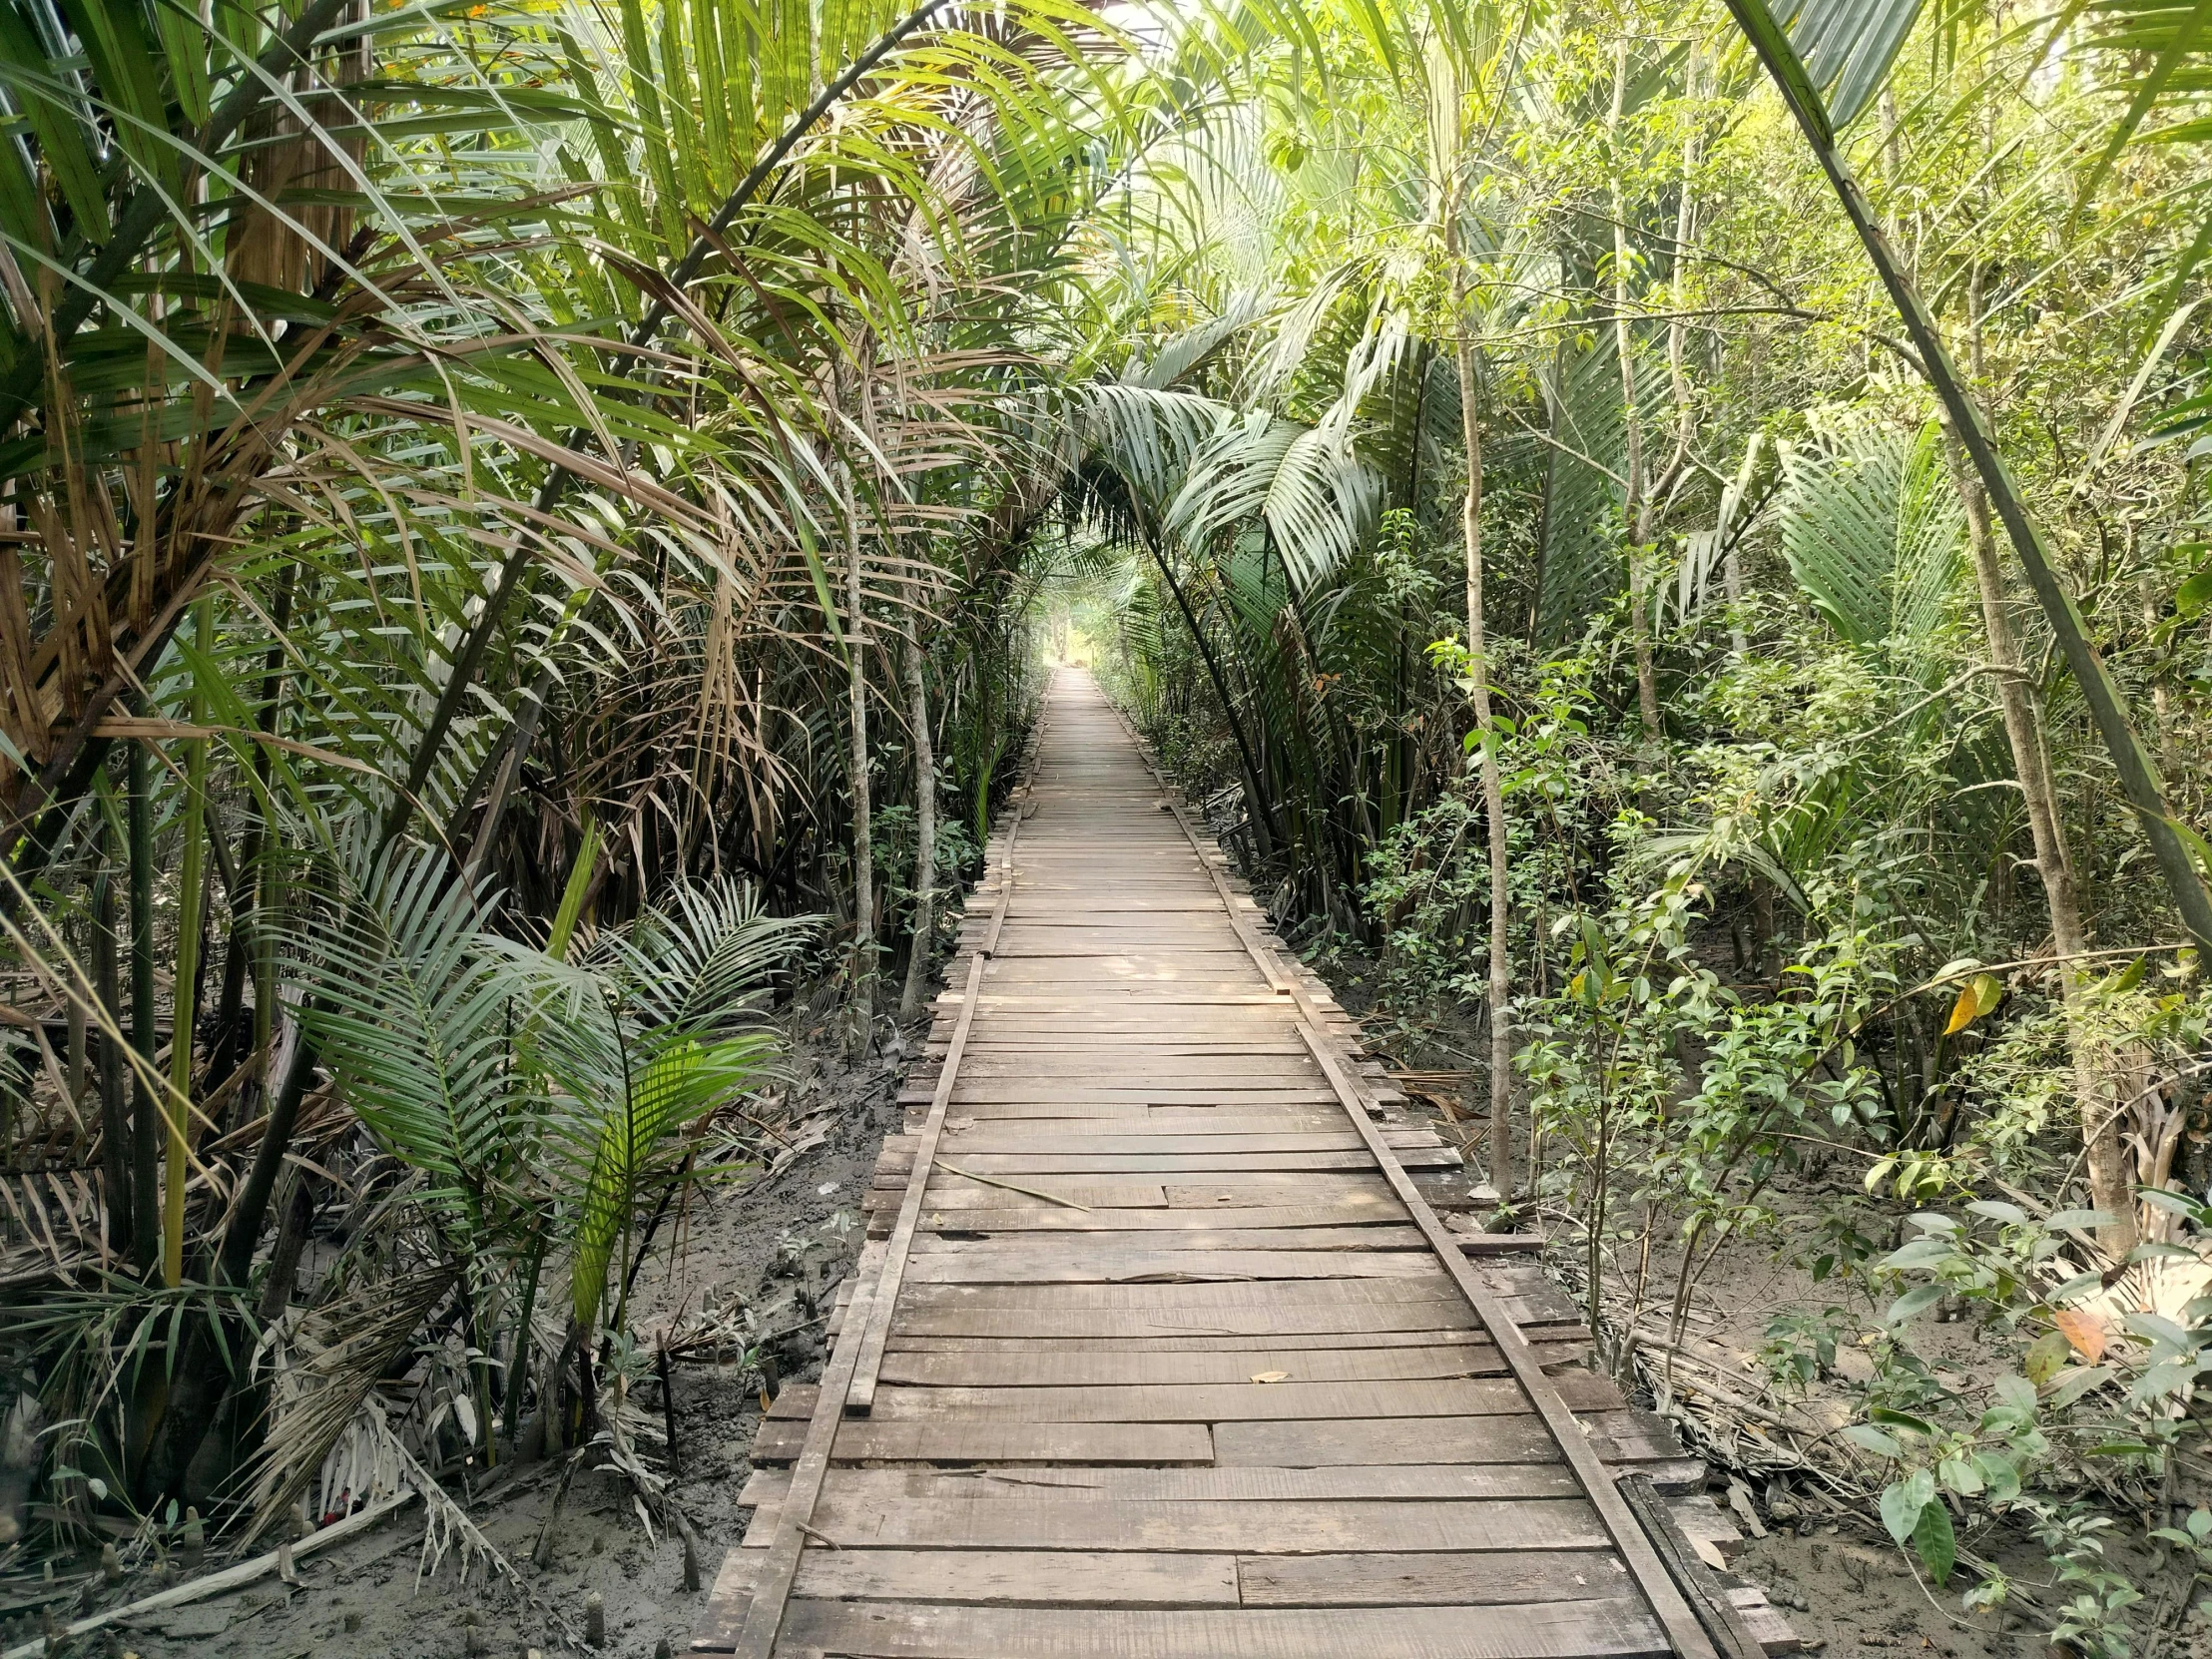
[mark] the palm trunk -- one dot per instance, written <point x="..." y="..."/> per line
<point x="1256" y="802"/>
<point x="184" y="995"/>
<point x="115" y="1120"/>
<point x="146" y="1218"/>
<point x="925" y="827"/>
<point x="252" y="946"/>
<point x="863" y="850"/>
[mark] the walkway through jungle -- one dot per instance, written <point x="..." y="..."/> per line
<point x="1164" y="1349"/>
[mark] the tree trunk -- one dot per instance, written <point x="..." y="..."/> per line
<point x="864" y="848"/>
<point x="925" y="826"/>
<point x="114" y="1119"/>
<point x="2101" y="1122"/>
<point x="185" y="993"/>
<point x="1494" y="789"/>
<point x="1255" y="804"/>
<point x="146" y="1120"/>
<point x="1635" y="511"/>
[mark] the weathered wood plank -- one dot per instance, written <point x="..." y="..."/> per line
<point x="1000" y="1579"/>
<point x="1181" y="1486"/>
<point x="1016" y="1215"/>
<point x="1212" y="1402"/>
<point x="913" y="1630"/>
<point x="1032" y="1370"/>
<point x="1053" y="1263"/>
<point x="969" y="1440"/>
<point x="950" y="1232"/>
<point x="1246" y="1527"/>
<point x="1404" y="1579"/>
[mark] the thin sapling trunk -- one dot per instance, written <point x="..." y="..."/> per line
<point x="146" y="1218"/>
<point x="926" y="824"/>
<point x="1493" y="787"/>
<point x="1635" y="508"/>
<point x="863" y="850"/>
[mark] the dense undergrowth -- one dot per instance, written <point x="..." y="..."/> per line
<point x="1674" y="534"/>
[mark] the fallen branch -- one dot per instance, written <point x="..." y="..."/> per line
<point x="1008" y="1186"/>
<point x="230" y="1578"/>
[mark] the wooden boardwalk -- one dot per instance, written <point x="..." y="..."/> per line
<point x="1165" y="1352"/>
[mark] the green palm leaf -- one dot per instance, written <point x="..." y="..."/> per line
<point x="411" y="1010"/>
<point x="1872" y="531"/>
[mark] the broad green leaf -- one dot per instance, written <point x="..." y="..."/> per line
<point x="2001" y="1478"/>
<point x="2194" y="594"/>
<point x="1960" y="1476"/>
<point x="1915" y="1300"/>
<point x="572" y="894"/>
<point x="1934" y="1539"/>
<point x="1874" y="1439"/>
<point x="1903" y="1501"/>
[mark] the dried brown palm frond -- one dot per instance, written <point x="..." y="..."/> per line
<point x="317" y="1371"/>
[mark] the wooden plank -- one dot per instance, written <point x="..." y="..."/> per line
<point x="1406" y="1579"/>
<point x="1332" y="1321"/>
<point x="1571" y="1347"/>
<point x="1182" y="1485"/>
<point x="1009" y="1369"/>
<point x="1488" y="1438"/>
<point x="949" y="1232"/>
<point x="1186" y="1297"/>
<point x="1001" y="1578"/>
<point x="1002" y="1138"/>
<point x="1003" y="1091"/>
<point x="1596" y="1629"/>
<point x="1212" y="1402"/>
<point x="1245" y="1526"/>
<point x="1052" y="1262"/>
<point x="1013" y="1215"/>
<point x="1219" y="1188"/>
<point x="968" y="1441"/>
<point x="957" y="1191"/>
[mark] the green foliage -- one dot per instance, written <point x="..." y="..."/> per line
<point x="1874" y="532"/>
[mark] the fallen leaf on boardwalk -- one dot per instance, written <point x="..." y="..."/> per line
<point x="1268" y="1376"/>
<point x="2085" y="1330"/>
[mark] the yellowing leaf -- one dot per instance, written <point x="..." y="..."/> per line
<point x="2085" y="1330"/>
<point x="1268" y="1376"/>
<point x="1975" y="998"/>
<point x="1962" y="1011"/>
<point x="2044" y="1358"/>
